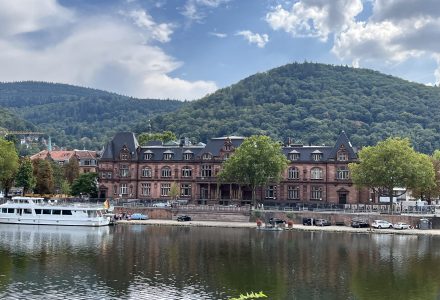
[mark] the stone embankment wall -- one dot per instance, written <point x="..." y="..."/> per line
<point x="345" y="218"/>
<point x="172" y="213"/>
<point x="296" y="217"/>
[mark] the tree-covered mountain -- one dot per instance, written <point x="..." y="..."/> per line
<point x="10" y="122"/>
<point x="75" y="116"/>
<point x="313" y="103"/>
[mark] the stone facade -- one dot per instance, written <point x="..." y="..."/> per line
<point x="316" y="174"/>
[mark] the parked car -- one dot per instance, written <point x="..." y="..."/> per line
<point x="308" y="221"/>
<point x="359" y="223"/>
<point x="162" y="204"/>
<point x="138" y="216"/>
<point x="322" y="222"/>
<point x="401" y="225"/>
<point x="276" y="221"/>
<point x="183" y="218"/>
<point x="381" y="224"/>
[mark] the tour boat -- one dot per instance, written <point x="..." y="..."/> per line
<point x="37" y="211"/>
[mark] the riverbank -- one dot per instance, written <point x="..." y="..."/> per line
<point x="297" y="227"/>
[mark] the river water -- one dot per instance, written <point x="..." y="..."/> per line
<point x="160" y="262"/>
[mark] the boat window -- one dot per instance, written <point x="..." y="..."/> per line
<point x="4" y="210"/>
<point x="10" y="210"/>
<point x="27" y="211"/>
<point x="46" y="211"/>
<point x="91" y="214"/>
<point x="38" y="211"/>
<point x="67" y="212"/>
<point x="56" y="212"/>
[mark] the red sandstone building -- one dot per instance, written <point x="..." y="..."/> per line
<point x="315" y="175"/>
<point x="87" y="160"/>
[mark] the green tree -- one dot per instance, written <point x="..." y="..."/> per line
<point x="71" y="170"/>
<point x="165" y="136"/>
<point x="44" y="176"/>
<point x="65" y="188"/>
<point x="391" y="163"/>
<point x="258" y="161"/>
<point x="174" y="191"/>
<point x="25" y="176"/>
<point x="8" y="164"/>
<point x="430" y="190"/>
<point x="86" y="183"/>
<point x="58" y="176"/>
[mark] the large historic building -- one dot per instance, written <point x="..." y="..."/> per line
<point x="316" y="174"/>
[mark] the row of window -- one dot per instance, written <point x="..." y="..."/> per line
<point x="317" y="173"/>
<point x="206" y="171"/>
<point x="28" y="211"/>
<point x="165" y="189"/>
<point x="293" y="192"/>
<point x="342" y="155"/>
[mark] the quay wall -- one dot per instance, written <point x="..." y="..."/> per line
<point x="339" y="218"/>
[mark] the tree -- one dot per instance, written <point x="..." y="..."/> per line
<point x="430" y="190"/>
<point x="174" y="191"/>
<point x="71" y="170"/>
<point x="391" y="163"/>
<point x="44" y="176"/>
<point x="8" y="164"/>
<point x="25" y="176"/>
<point x="86" y="183"/>
<point x="258" y="161"/>
<point x="165" y="136"/>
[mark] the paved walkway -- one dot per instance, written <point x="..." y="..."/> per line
<point x="294" y="227"/>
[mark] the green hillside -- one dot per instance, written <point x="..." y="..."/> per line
<point x="313" y="103"/>
<point x="78" y="117"/>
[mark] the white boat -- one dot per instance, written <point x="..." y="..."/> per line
<point x="37" y="211"/>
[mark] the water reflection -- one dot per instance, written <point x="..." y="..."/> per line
<point x="148" y="262"/>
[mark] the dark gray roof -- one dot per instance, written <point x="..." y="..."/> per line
<point x="120" y="140"/>
<point x="216" y="144"/>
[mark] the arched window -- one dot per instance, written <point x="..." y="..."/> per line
<point x="293" y="173"/>
<point x="165" y="172"/>
<point x="146" y="172"/>
<point x="316" y="173"/>
<point x="186" y="171"/>
<point x="342" y="173"/>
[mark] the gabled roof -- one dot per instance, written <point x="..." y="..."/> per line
<point x="216" y="144"/>
<point x="343" y="141"/>
<point x="120" y="140"/>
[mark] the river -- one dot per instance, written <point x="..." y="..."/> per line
<point x="165" y="262"/>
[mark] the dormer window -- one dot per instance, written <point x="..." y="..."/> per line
<point x="207" y="156"/>
<point x="316" y="155"/>
<point x="168" y="155"/>
<point x="293" y="155"/>
<point x="228" y="145"/>
<point x="124" y="154"/>
<point x="342" y="155"/>
<point x="148" y="155"/>
<point x="188" y="155"/>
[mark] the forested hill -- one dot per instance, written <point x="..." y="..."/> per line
<point x="10" y="122"/>
<point x="75" y="116"/>
<point x="313" y="103"/>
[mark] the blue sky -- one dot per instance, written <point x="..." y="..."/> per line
<point x="189" y="48"/>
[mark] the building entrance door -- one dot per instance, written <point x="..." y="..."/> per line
<point x="342" y="198"/>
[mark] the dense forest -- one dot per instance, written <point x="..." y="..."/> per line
<point x="308" y="102"/>
<point x="78" y="117"/>
<point x="312" y="103"/>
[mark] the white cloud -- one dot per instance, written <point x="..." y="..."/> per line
<point x="99" y="52"/>
<point x="195" y="10"/>
<point x="314" y="18"/>
<point x="160" y="32"/>
<point x="254" y="38"/>
<point x="29" y="16"/>
<point x="395" y="32"/>
<point x="392" y="33"/>
<point x="218" y="34"/>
